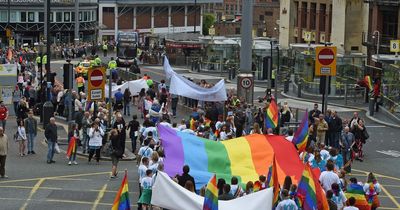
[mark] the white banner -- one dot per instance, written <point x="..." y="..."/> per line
<point x="168" y="194"/>
<point x="8" y="70"/>
<point x="134" y="86"/>
<point x="184" y="87"/>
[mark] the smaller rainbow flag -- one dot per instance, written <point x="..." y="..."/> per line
<point x="121" y="201"/>
<point x="211" y="195"/>
<point x="191" y="124"/>
<point x="300" y="138"/>
<point x="71" y="147"/>
<point x="357" y="191"/>
<point x="368" y="80"/>
<point x="272" y="181"/>
<point x="307" y="189"/>
<point x="271" y="116"/>
<point x="207" y="122"/>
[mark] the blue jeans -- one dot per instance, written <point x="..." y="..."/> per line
<point x="85" y="142"/>
<point x="3" y="124"/>
<point x="127" y="108"/>
<point x="51" y="150"/>
<point x="31" y="141"/>
<point x="133" y="140"/>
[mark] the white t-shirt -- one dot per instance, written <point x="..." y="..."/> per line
<point x="340" y="199"/>
<point x="142" y="172"/>
<point x="153" y="130"/>
<point x="289" y="138"/>
<point x="325" y="154"/>
<point x="287" y="204"/>
<point x="145" y="151"/>
<point x="181" y="127"/>
<point x="147" y="182"/>
<point x="223" y="135"/>
<point x="350" y="208"/>
<point x="166" y="124"/>
<point x="327" y="178"/>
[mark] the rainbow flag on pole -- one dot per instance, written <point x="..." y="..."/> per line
<point x="274" y="182"/>
<point x="211" y="195"/>
<point x="271" y="116"/>
<point x="357" y="191"/>
<point x="368" y="80"/>
<point x="71" y="147"/>
<point x="307" y="189"/>
<point x="121" y="201"/>
<point x="300" y="138"/>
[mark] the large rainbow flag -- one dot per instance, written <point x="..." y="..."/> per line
<point x="310" y="191"/>
<point x="245" y="157"/>
<point x="71" y="147"/>
<point x="272" y="115"/>
<point x="357" y="191"/>
<point x="300" y="138"/>
<point x="121" y="201"/>
<point x="211" y="195"/>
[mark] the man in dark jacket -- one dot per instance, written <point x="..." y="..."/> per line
<point x="31" y="131"/>
<point x="226" y="195"/>
<point x="335" y="130"/>
<point x="186" y="177"/>
<point x="51" y="136"/>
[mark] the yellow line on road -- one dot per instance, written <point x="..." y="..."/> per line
<point x="391" y="197"/>
<point x="378" y="175"/>
<point x="54" y="177"/>
<point x="77" y="202"/>
<point x="33" y="191"/>
<point x="28" y="187"/>
<point x="99" y="197"/>
<point x="390" y="185"/>
<point x="69" y="179"/>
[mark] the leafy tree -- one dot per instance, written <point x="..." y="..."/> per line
<point x="208" y="21"/>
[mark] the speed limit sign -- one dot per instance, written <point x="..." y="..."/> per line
<point x="246" y="83"/>
<point x="394" y="46"/>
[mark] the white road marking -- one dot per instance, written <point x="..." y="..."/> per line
<point x="375" y="126"/>
<point x="392" y="153"/>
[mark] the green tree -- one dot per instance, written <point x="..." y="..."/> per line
<point x="208" y="21"/>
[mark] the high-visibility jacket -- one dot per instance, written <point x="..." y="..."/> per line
<point x="273" y="75"/>
<point x="97" y="61"/>
<point x="92" y="63"/>
<point x="44" y="59"/>
<point x="112" y="64"/>
<point x="80" y="81"/>
<point x="105" y="47"/>
<point x="38" y="59"/>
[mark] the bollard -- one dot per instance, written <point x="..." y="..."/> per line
<point x="48" y="111"/>
<point x="371" y="106"/>
<point x="299" y="90"/>
<point x="286" y="86"/>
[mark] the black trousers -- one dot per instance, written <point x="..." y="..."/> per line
<point x="91" y="153"/>
<point x="3" y="165"/>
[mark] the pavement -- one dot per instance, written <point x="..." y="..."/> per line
<point x="34" y="184"/>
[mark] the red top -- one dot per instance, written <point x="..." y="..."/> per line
<point x="3" y="113"/>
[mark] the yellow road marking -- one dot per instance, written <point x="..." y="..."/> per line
<point x="33" y="191"/>
<point x="99" y="197"/>
<point x="390" y="185"/>
<point x="385" y="196"/>
<point x="28" y="187"/>
<point x="390" y="197"/>
<point x="54" y="177"/>
<point x="388" y="208"/>
<point x="77" y="202"/>
<point x="69" y="179"/>
<point x="378" y="175"/>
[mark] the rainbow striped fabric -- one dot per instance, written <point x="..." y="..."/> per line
<point x="300" y="138"/>
<point x="192" y="124"/>
<point x="357" y="191"/>
<point x="368" y="80"/>
<point x="274" y="182"/>
<point x="307" y="190"/>
<point x="71" y="147"/>
<point x="272" y="115"/>
<point x="211" y="195"/>
<point x="121" y="201"/>
<point x="244" y="157"/>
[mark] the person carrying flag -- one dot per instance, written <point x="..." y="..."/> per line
<point x="73" y="138"/>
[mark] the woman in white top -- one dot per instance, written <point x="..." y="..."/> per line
<point x="21" y="138"/>
<point x="256" y="129"/>
<point x="96" y="140"/>
<point x="372" y="190"/>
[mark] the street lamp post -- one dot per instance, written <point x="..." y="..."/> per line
<point x="195" y="16"/>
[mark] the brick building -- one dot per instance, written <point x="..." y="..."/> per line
<point x="228" y="14"/>
<point x="150" y="16"/>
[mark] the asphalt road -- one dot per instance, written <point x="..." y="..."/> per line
<point x="33" y="184"/>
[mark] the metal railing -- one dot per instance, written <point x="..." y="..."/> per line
<point x="392" y="106"/>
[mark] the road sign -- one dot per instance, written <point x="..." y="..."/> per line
<point x="325" y="61"/>
<point x="246" y="82"/>
<point x="211" y="31"/>
<point x="307" y="36"/>
<point x="395" y="46"/>
<point x="96" y="83"/>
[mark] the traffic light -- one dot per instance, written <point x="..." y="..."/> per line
<point x="68" y="76"/>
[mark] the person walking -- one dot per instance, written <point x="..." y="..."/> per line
<point x="80" y="83"/>
<point x="322" y="128"/>
<point x="346" y="144"/>
<point x="133" y="127"/>
<point x="3" y="115"/>
<point x="51" y="136"/>
<point x="74" y="133"/>
<point x="3" y="153"/>
<point x="361" y="135"/>
<point x="31" y="131"/>
<point x="95" y="142"/>
<point x="21" y="139"/>
<point x="174" y="104"/>
<point x="86" y="125"/>
<point x="117" y="152"/>
<point x="120" y="125"/>
<point x="372" y="190"/>
<point x="127" y="100"/>
<point x="286" y="202"/>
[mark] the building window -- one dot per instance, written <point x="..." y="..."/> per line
<point x="72" y="16"/>
<point x="237" y="30"/>
<point x="23" y="16"/>
<point x="51" y="17"/>
<point x="80" y="16"/>
<point x="59" y="17"/>
<point x="31" y="17"/>
<point x="389" y="25"/>
<point x="89" y="16"/>
<point x="67" y="16"/>
<point x="93" y="16"/>
<point x="262" y="18"/>
<point x="313" y="16"/>
<point x="13" y="16"/>
<point x="85" y="16"/>
<point x="322" y="17"/>
<point x="3" y="16"/>
<point x="269" y="13"/>
<point x="41" y="17"/>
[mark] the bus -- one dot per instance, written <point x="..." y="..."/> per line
<point x="127" y="44"/>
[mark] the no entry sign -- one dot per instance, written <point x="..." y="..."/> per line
<point x="325" y="61"/>
<point x="96" y="84"/>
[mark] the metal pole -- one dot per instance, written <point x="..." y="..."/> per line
<point x="325" y="106"/>
<point x="76" y="30"/>
<point x="48" y="38"/>
<point x="247" y="42"/>
<point x="269" y="76"/>
<point x="109" y="98"/>
<point x="277" y="75"/>
<point x="195" y="16"/>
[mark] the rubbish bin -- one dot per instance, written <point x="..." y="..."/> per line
<point x="299" y="89"/>
<point x="48" y="111"/>
<point x="286" y="86"/>
<point x="371" y="106"/>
